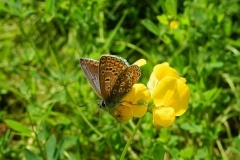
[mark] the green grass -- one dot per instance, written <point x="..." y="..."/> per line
<point x="42" y="84"/>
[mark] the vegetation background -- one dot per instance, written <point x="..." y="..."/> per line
<point x="42" y="85"/>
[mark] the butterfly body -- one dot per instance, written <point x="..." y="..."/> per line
<point x="111" y="78"/>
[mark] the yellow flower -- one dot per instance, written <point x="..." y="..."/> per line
<point x="134" y="104"/>
<point x="140" y="62"/>
<point x="160" y="71"/>
<point x="163" y="116"/>
<point x="170" y="95"/>
<point x="173" y="24"/>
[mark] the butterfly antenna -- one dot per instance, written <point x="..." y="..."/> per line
<point x="85" y="104"/>
<point x="96" y="102"/>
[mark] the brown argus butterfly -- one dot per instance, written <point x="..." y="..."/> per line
<point x="111" y="78"/>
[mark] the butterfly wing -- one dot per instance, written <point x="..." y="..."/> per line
<point x="90" y="68"/>
<point x="122" y="86"/>
<point x="110" y="67"/>
<point x="125" y="82"/>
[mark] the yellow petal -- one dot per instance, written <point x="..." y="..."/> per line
<point x="139" y="111"/>
<point x="134" y="103"/>
<point x="164" y="91"/>
<point x="152" y="83"/>
<point x="139" y="92"/>
<point x="123" y="113"/>
<point x="181" y="102"/>
<point x="172" y="92"/>
<point x="163" y="116"/>
<point x="140" y="62"/>
<point x="183" y="79"/>
<point x="163" y="70"/>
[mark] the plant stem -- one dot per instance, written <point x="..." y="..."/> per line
<point x="90" y="125"/>
<point x="131" y="138"/>
<point x="36" y="135"/>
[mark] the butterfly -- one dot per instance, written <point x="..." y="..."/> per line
<point x="111" y="78"/>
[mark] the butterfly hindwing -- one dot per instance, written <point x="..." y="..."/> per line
<point x="125" y="82"/>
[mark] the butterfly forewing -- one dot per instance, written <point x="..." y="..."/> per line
<point x="110" y="67"/>
<point x="90" y="68"/>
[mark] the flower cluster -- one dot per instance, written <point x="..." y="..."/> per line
<point x="168" y="91"/>
<point x="170" y="95"/>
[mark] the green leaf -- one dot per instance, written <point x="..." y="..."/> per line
<point x="150" y="26"/>
<point x="237" y="142"/>
<point x="17" y="126"/>
<point x="50" y="147"/>
<point x="23" y="87"/>
<point x="166" y="39"/>
<point x="171" y="7"/>
<point x="227" y="27"/>
<point x="29" y="155"/>
<point x="50" y="6"/>
<point x="187" y="153"/>
<point x="65" y="142"/>
<point x="192" y="128"/>
<point x="158" y="151"/>
<point x="163" y="19"/>
<point x="60" y="148"/>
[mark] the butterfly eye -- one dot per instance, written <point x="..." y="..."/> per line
<point x="102" y="104"/>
